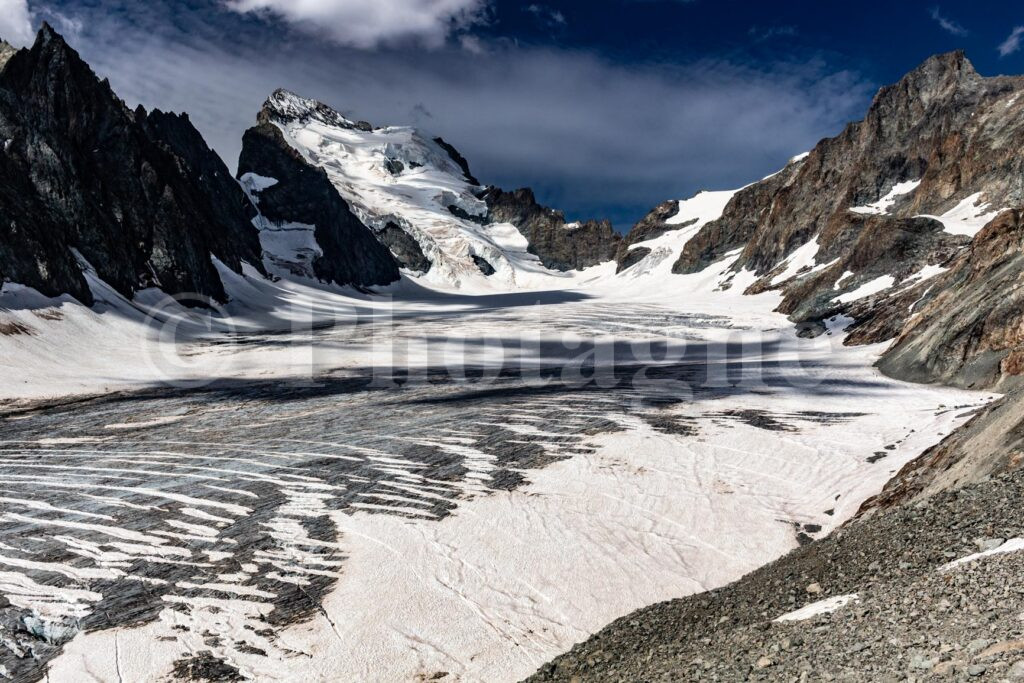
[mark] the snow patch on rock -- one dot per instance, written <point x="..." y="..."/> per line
<point x="882" y="206"/>
<point x="816" y="609"/>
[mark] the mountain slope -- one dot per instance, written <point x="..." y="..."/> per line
<point x="306" y="228"/>
<point x="906" y="228"/>
<point x="419" y="198"/>
<point x="879" y="209"/>
<point x="140" y="197"/>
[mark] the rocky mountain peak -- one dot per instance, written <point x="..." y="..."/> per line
<point x="57" y="80"/>
<point x="284" y="106"/>
<point x="937" y="79"/>
<point x="142" y="199"/>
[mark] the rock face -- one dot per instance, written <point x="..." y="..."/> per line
<point x="970" y="330"/>
<point x="652" y="226"/>
<point x="942" y="138"/>
<point x="458" y="159"/>
<point x="6" y="52"/>
<point x="139" y="196"/>
<point x="297" y="192"/>
<point x="559" y="245"/>
<point x="404" y="248"/>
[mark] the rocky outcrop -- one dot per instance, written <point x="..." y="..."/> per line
<point x="231" y="232"/>
<point x="942" y="126"/>
<point x="970" y="330"/>
<point x="6" y="52"/>
<point x="458" y="159"/>
<point x="139" y="197"/>
<point x="302" y="193"/>
<point x="404" y="248"/>
<point x="652" y="226"/>
<point x="559" y="245"/>
<point x="627" y="258"/>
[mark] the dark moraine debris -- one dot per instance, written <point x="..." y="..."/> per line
<point x="205" y="667"/>
<point x="760" y="419"/>
<point x="666" y="423"/>
<point x="724" y="634"/>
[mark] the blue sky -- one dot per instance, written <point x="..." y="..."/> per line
<point x="605" y="107"/>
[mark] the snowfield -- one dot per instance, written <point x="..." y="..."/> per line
<point x="561" y="458"/>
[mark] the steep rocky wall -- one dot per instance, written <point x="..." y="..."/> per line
<point x="944" y="127"/>
<point x="302" y="193"/>
<point x="80" y="172"/>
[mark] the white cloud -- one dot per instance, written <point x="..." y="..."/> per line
<point x="15" y="24"/>
<point x="1012" y="43"/>
<point x="371" y="23"/>
<point x="947" y="24"/>
<point x="547" y="15"/>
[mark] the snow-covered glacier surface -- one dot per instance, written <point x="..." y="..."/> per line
<point x="416" y="484"/>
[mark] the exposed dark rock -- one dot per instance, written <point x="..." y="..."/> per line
<point x="458" y="159"/>
<point x="304" y="194"/>
<point x="205" y="667"/>
<point x="631" y="258"/>
<point x="404" y="248"/>
<point x="80" y="171"/>
<point x="486" y="268"/>
<point x="459" y="212"/>
<point x="652" y="226"/>
<point x="870" y="247"/>
<point x="969" y="331"/>
<point x="232" y="209"/>
<point x="558" y="244"/>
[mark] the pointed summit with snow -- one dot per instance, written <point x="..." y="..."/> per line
<point x="417" y="196"/>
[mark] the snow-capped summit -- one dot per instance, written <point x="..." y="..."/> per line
<point x="284" y="106"/>
<point x="413" y="191"/>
